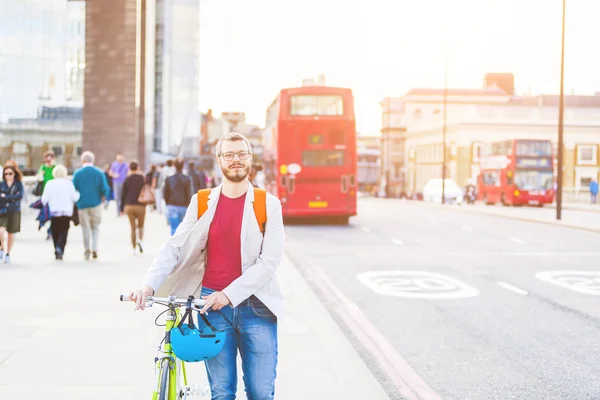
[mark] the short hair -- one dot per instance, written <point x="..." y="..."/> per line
<point x="49" y="153"/>
<point x="169" y="163"/>
<point x="191" y="166"/>
<point x="88" y="157"/>
<point x="179" y="163"/>
<point x="233" y="137"/>
<point x="134" y="165"/>
<point x="60" y="171"/>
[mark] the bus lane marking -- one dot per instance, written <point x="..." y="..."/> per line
<point x="416" y="285"/>
<point x="585" y="282"/>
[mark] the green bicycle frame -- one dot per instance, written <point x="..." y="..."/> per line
<point x="172" y="321"/>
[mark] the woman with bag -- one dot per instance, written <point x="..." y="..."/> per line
<point x="135" y="197"/>
<point x="11" y="193"/>
<point x="60" y="196"/>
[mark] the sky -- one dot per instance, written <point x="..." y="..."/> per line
<point x="250" y="49"/>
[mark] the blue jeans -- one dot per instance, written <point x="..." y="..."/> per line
<point x="256" y="340"/>
<point x="175" y="216"/>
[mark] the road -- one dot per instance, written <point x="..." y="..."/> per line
<point x="496" y="325"/>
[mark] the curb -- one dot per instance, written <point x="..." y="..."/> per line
<point x="515" y="217"/>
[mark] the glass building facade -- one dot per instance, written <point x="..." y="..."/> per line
<point x="176" y="75"/>
<point x="38" y="41"/>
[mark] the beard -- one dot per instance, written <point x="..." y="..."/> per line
<point x="236" y="175"/>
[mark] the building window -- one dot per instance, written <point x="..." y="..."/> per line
<point x="587" y="154"/>
<point x="584" y="182"/>
<point x="476" y="154"/>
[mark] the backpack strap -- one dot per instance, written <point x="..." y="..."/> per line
<point x="202" y="201"/>
<point x="260" y="205"/>
<point x="260" y="208"/>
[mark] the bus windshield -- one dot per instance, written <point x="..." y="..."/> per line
<point x="308" y="105"/>
<point x="533" y="180"/>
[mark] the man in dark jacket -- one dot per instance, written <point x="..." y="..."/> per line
<point x="177" y="194"/>
<point x="198" y="177"/>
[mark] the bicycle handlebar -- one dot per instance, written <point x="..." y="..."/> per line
<point x="171" y="300"/>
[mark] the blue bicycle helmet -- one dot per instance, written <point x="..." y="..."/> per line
<point x="192" y="345"/>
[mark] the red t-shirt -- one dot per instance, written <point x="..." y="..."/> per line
<point x="224" y="255"/>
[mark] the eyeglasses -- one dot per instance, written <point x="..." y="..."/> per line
<point x="229" y="156"/>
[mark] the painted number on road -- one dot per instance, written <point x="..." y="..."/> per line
<point x="586" y="282"/>
<point x="416" y="285"/>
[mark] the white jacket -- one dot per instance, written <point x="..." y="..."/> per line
<point x="60" y="196"/>
<point x="260" y="255"/>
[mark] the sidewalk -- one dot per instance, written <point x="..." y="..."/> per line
<point x="64" y="334"/>
<point x="570" y="218"/>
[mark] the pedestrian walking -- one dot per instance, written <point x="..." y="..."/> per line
<point x="60" y="196"/>
<point x="44" y="175"/>
<point x="92" y="186"/>
<point x="11" y="193"/>
<point x="135" y="211"/>
<point x="158" y="190"/>
<point x="109" y="180"/>
<point x="118" y="172"/>
<point x="165" y="172"/>
<point x="593" y="190"/>
<point x="198" y="177"/>
<point x="177" y="195"/>
<point x="238" y="280"/>
<point x="152" y="180"/>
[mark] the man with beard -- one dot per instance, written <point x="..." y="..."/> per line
<point x="239" y="281"/>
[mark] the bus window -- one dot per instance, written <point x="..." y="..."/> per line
<point x="323" y="158"/>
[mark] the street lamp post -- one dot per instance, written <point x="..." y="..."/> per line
<point x="561" y="112"/>
<point x="444" y="128"/>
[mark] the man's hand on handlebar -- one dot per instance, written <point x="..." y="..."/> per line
<point x="140" y="296"/>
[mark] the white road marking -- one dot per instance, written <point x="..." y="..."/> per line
<point x="365" y="229"/>
<point x="397" y="241"/>
<point x="467" y="229"/>
<point x="513" y="288"/>
<point x="416" y="285"/>
<point x="517" y="240"/>
<point x="526" y="254"/>
<point x="586" y="282"/>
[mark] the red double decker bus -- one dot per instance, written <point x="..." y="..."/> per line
<point x="517" y="172"/>
<point x="310" y="152"/>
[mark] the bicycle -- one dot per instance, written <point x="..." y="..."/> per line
<point x="172" y="380"/>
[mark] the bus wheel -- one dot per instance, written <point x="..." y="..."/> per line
<point x="503" y="199"/>
<point x="485" y="200"/>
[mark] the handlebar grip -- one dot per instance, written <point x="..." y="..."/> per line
<point x="124" y="297"/>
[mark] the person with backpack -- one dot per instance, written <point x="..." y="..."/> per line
<point x="131" y="206"/>
<point x="177" y="194"/>
<point x="232" y="241"/>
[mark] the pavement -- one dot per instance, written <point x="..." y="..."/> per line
<point x="443" y="303"/>
<point x="64" y="334"/>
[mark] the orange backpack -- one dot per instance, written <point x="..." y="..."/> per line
<point x="260" y="205"/>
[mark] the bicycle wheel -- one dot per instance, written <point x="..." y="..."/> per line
<point x="165" y="368"/>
